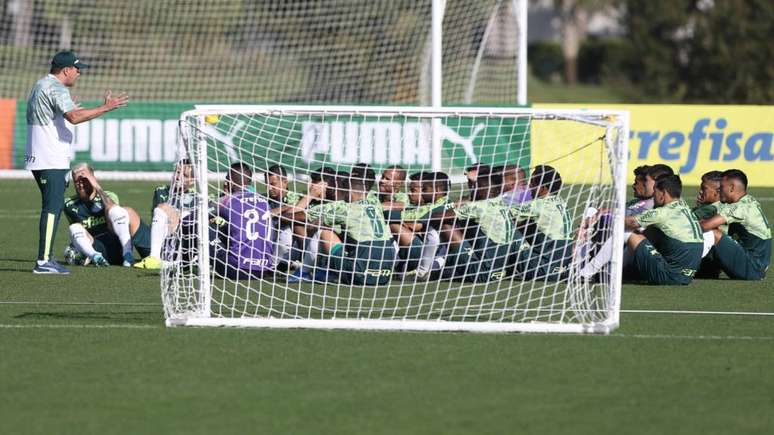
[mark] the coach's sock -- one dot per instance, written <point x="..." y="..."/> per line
<point x="429" y="249"/>
<point x="119" y="218"/>
<point x="81" y="240"/>
<point x="159" y="227"/>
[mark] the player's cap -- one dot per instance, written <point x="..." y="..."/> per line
<point x="67" y="58"/>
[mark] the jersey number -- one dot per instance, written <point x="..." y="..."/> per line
<point x="252" y="217"/>
<point x="376" y="224"/>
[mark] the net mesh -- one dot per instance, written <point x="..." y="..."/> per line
<point x="331" y="51"/>
<point x="430" y="240"/>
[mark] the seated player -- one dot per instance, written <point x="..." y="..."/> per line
<point x="100" y="228"/>
<point x="241" y="246"/>
<point x="669" y="250"/>
<point x="547" y="227"/>
<point x="598" y="250"/>
<point x="419" y="241"/>
<point x="325" y="186"/>
<point x="170" y="203"/>
<point x="481" y="235"/>
<point x="515" y="187"/>
<point x="280" y="199"/>
<point x="745" y="251"/>
<point x="363" y="254"/>
<point x="707" y="205"/>
<point x="390" y="188"/>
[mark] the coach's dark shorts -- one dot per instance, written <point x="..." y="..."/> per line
<point x="366" y="263"/>
<point x="736" y="262"/>
<point x="650" y="265"/>
<point x="110" y="247"/>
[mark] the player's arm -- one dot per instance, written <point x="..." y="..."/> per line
<point x="78" y="116"/>
<point x="108" y="200"/>
<point x="393" y="205"/>
<point x="712" y="223"/>
<point x="630" y="223"/>
<point x="650" y="217"/>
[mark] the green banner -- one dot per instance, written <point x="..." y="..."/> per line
<point x="144" y="137"/>
<point x="139" y="137"/>
<point x="307" y="142"/>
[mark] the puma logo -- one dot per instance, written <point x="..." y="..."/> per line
<point x="448" y="133"/>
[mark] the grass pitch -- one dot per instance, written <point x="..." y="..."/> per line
<point x="88" y="353"/>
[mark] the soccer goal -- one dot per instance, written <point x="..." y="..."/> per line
<point x="524" y="276"/>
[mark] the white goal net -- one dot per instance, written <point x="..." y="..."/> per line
<point x="398" y="218"/>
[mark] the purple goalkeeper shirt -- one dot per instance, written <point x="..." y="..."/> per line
<point x="248" y="232"/>
<point x="517" y="196"/>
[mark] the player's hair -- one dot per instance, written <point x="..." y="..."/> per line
<point x="441" y="182"/>
<point x="240" y="174"/>
<point x="493" y="176"/>
<point x="364" y="172"/>
<point x="715" y="176"/>
<point x="736" y="174"/>
<point x="641" y="171"/>
<point x="546" y="176"/>
<point x="55" y="69"/>
<point x="670" y="184"/>
<point x="277" y="170"/>
<point x="659" y="170"/>
<point x="82" y="165"/>
<point x="418" y="176"/>
<point x="185" y="161"/>
<point x="342" y="181"/>
<point x="398" y="168"/>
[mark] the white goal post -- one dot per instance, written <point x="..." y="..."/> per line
<point x="498" y="261"/>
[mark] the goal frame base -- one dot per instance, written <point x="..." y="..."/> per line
<point x="396" y="325"/>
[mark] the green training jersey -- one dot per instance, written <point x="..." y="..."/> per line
<point x="747" y="224"/>
<point x="423" y="213"/>
<point x="375" y="197"/>
<point x="492" y="216"/>
<point x="362" y="220"/>
<point x="290" y="198"/>
<point x="162" y="195"/>
<point x="549" y="214"/>
<point x="706" y="211"/>
<point x="90" y="214"/>
<point x="675" y="232"/>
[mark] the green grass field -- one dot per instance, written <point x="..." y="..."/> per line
<point x="88" y="353"/>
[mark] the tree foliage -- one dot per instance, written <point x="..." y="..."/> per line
<point x="702" y="51"/>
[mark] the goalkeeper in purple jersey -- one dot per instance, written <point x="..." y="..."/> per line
<point x="239" y="229"/>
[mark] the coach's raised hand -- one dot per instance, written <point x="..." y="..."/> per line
<point x="114" y="102"/>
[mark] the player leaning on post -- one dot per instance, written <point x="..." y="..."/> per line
<point x="745" y="252"/>
<point x="49" y="141"/>
<point x="171" y="203"/>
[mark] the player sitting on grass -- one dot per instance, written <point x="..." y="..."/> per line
<point x="707" y="205"/>
<point x="547" y="227"/>
<point x="745" y="252"/>
<point x="281" y="199"/>
<point x="480" y="234"/>
<point x="325" y="186"/>
<point x="241" y="246"/>
<point x="515" y="187"/>
<point x="598" y="250"/>
<point x="363" y="253"/>
<point x="100" y="228"/>
<point x="669" y="250"/>
<point x="170" y="203"/>
<point x="418" y="239"/>
<point x="390" y="189"/>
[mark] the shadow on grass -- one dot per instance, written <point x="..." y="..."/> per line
<point x="142" y="317"/>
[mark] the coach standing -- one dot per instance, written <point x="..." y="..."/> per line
<point x="49" y="141"/>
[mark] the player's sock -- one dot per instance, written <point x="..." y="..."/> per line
<point x="312" y="248"/>
<point x="81" y="240"/>
<point x="604" y="255"/>
<point x="429" y="249"/>
<point x="284" y="244"/>
<point x="119" y="218"/>
<point x="159" y="227"/>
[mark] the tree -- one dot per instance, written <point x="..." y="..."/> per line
<point x="702" y="51"/>
<point x="574" y="16"/>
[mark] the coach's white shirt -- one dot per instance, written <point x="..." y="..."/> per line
<point x="49" y="135"/>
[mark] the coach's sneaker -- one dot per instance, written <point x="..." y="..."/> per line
<point x="99" y="260"/>
<point x="50" y="267"/>
<point x="150" y="263"/>
<point x="128" y="259"/>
